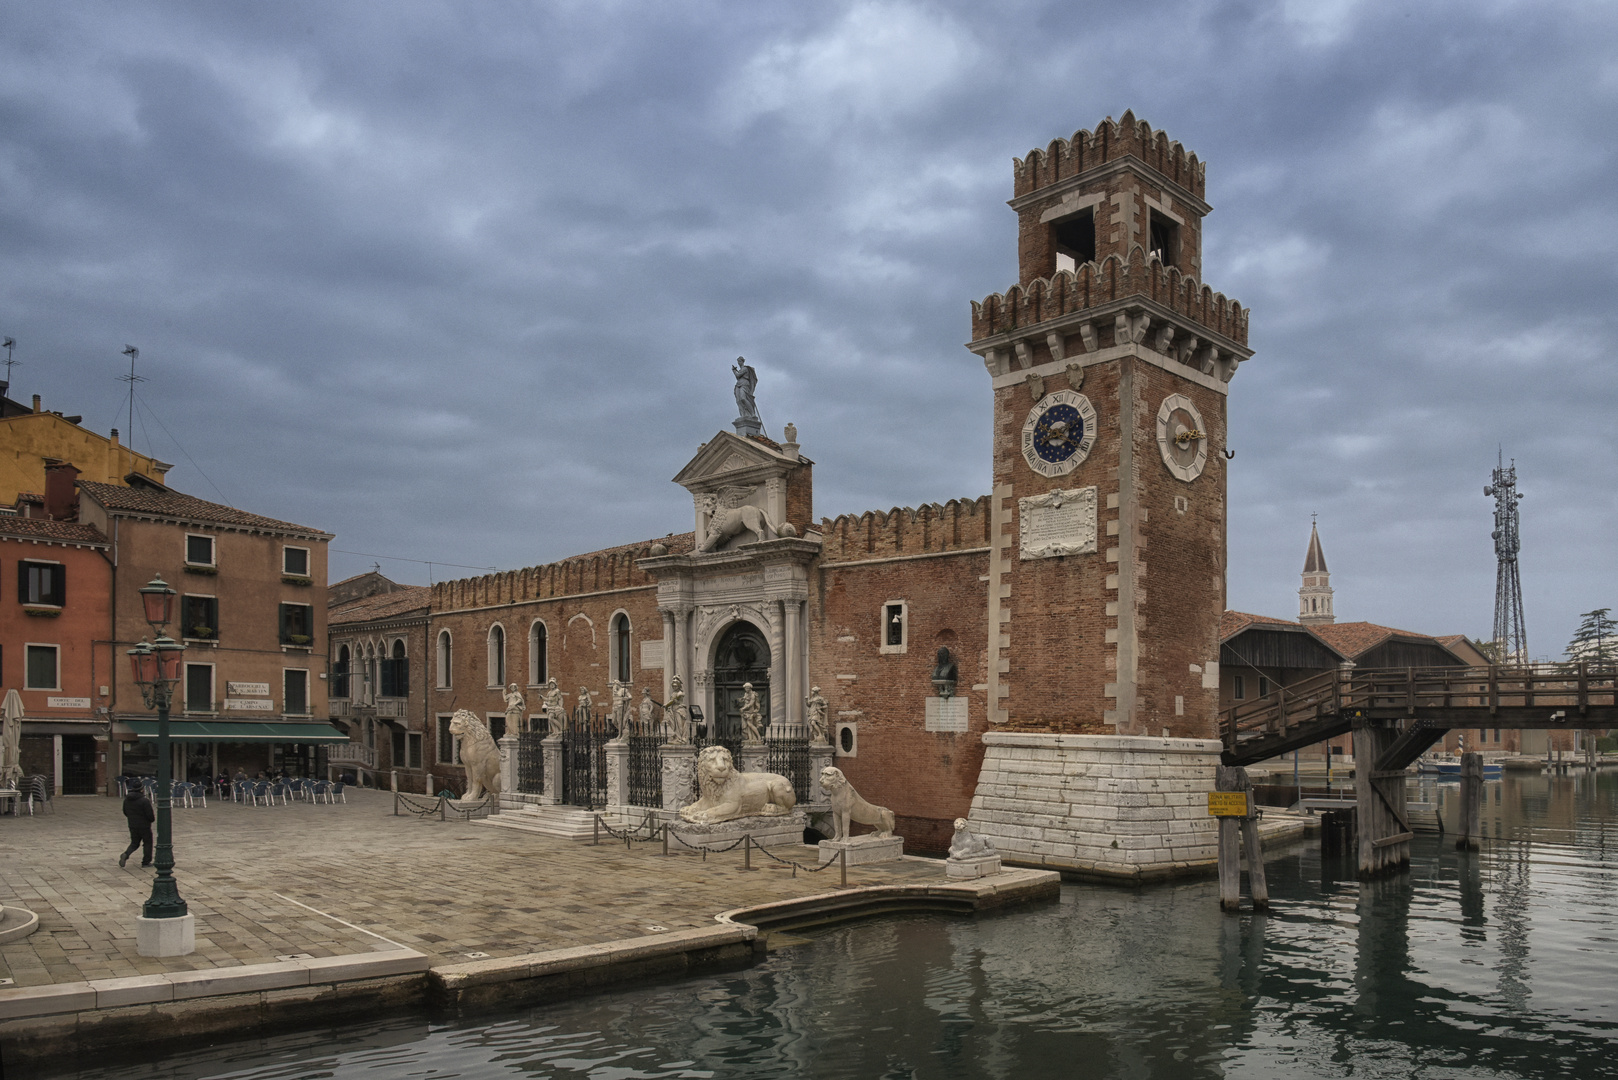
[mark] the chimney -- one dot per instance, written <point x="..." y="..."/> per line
<point x="61" y="496"/>
<point x="36" y="402"/>
<point x="115" y="436"/>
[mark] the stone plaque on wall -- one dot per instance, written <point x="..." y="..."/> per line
<point x="651" y="654"/>
<point x="248" y="689"/>
<point x="1057" y="523"/>
<point x="946" y="714"/>
<point x="249" y="705"/>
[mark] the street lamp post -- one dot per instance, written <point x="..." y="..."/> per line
<point x="166" y="927"/>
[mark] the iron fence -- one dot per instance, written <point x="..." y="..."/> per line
<point x="531" y="762"/>
<point x="788" y="756"/>
<point x="584" y="759"/>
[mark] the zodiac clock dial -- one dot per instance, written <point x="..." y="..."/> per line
<point x="1181" y="437"/>
<point x="1059" y="432"/>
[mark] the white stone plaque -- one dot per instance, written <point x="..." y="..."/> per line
<point x="946" y="714"/>
<point x="247" y="689"/>
<point x="1057" y="523"/>
<point x="68" y="702"/>
<point x="651" y="654"/>
<point x="249" y="705"/>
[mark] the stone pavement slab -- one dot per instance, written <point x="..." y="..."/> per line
<point x="277" y="883"/>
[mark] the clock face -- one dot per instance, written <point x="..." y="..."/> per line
<point x="1182" y="438"/>
<point x="1059" y="432"/>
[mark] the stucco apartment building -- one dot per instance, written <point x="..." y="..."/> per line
<point x="378" y="688"/>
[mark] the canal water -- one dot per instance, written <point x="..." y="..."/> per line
<point x="1501" y="964"/>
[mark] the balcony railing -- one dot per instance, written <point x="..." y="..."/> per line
<point x="388" y="708"/>
<point x="352" y="754"/>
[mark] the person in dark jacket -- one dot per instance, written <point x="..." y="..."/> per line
<point x="138" y="810"/>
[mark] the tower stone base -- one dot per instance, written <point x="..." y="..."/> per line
<point x="1114" y="808"/>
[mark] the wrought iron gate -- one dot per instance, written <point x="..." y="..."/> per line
<point x="584" y="759"/>
<point x="531" y="763"/>
<point x="789" y="757"/>
<point x="646" y="739"/>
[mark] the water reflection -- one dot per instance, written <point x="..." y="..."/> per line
<point x="1490" y="964"/>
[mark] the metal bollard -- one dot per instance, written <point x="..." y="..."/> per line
<point x="843" y="858"/>
<point x="665" y="838"/>
<point x="595" y="831"/>
<point x="747" y="851"/>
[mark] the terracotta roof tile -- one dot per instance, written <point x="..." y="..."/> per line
<point x="405" y="599"/>
<point x="44" y="529"/>
<point x="1232" y="623"/>
<point x="169" y="503"/>
<point x="1354" y="638"/>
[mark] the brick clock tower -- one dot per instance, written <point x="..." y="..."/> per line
<point x="1110" y="362"/>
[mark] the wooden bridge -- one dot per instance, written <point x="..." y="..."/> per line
<point x="1396" y="714"/>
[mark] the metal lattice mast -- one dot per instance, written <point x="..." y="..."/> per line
<point x="1510" y="632"/>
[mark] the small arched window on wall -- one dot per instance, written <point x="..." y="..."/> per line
<point x="339" y="673"/>
<point x="444" y="657"/>
<point x="497" y="655"/>
<point x="538" y="660"/>
<point x="620" y="647"/>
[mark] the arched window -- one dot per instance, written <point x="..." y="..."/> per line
<point x="538" y="659"/>
<point x="620" y="647"/>
<point x="497" y="655"/>
<point x="444" y="657"/>
<point x="339" y="673"/>
<point x="395" y="677"/>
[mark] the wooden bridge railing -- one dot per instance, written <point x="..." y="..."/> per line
<point x="1448" y="696"/>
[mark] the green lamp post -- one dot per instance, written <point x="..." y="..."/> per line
<point x="157" y="668"/>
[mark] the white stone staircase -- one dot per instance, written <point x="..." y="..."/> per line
<point x="564" y="822"/>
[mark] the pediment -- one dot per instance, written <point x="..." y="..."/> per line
<point x="730" y="459"/>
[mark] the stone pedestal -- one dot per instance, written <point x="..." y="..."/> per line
<point x="552" y="749"/>
<point x="1107" y="807"/>
<point x="973" y="866"/>
<point x="679" y="764"/>
<point x="772" y="831"/>
<point x="864" y="849"/>
<point x="617" y="772"/>
<point x="166" y="937"/>
<point x="755" y="758"/>
<point x="508" y="764"/>
<point x="820" y="756"/>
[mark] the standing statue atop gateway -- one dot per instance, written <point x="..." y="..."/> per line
<point x="515" y="707"/>
<point x="814" y="710"/>
<point x="747" y="421"/>
<point x="676" y="714"/>
<point x="555" y="709"/>
<point x="752" y="717"/>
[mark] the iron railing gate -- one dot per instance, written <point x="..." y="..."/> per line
<point x="584" y="760"/>
<point x="646" y="739"/>
<point x="789" y="757"/>
<point x="531" y="762"/>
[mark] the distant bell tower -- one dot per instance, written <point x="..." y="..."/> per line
<point x="1314" y="598"/>
<point x="1110" y="363"/>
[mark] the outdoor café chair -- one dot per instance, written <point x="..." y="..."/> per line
<point x="336" y="793"/>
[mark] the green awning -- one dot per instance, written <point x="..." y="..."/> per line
<point x="226" y="732"/>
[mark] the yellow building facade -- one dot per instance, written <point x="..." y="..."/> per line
<point x="28" y="439"/>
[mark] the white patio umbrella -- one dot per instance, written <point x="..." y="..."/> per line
<point x="11" y="740"/>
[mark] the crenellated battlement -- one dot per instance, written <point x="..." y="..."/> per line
<point x="959" y="524"/>
<point x="1096" y="285"/>
<point x="1110" y="141"/>
<point x="613" y="568"/>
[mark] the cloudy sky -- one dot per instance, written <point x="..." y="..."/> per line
<point x="461" y="282"/>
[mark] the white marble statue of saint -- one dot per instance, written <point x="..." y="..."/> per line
<point x="648" y="712"/>
<point x="746" y="383"/>
<point x="515" y="707"/>
<point x="676" y="714"/>
<point x="752" y="716"/>
<point x="814" y="710"/>
<point x="585" y="703"/>
<point x="621" y="701"/>
<point x="555" y="709"/>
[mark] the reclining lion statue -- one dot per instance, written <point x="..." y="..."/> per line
<point x="726" y="793"/>
<point x="847" y="806"/>
<point x="479" y="754"/>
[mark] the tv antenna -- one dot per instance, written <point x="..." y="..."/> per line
<point x="133" y="354"/>
<point x="1510" y="631"/>
<point x="9" y="344"/>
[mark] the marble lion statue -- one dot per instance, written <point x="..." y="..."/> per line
<point x="479" y="754"/>
<point x="847" y="806"/>
<point x="726" y="793"/>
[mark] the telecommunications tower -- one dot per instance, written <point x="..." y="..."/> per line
<point x="1510" y="633"/>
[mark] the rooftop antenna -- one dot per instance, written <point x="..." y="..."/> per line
<point x="133" y="354"/>
<point x="1510" y="631"/>
<point x="8" y="344"/>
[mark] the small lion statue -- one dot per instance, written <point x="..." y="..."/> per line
<point x="847" y="806"/>
<point x="479" y="754"/>
<point x="727" y="794"/>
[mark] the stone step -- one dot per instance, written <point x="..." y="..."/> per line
<point x="565" y="822"/>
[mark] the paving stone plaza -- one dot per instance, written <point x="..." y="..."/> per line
<point x="266" y="883"/>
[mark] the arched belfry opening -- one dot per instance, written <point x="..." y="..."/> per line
<point x="741" y="656"/>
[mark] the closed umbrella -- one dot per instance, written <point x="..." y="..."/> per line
<point x="11" y="740"/>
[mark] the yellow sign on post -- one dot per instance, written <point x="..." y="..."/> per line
<point x="1228" y="803"/>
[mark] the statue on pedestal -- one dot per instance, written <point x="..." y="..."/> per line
<point x="555" y="709"/>
<point x="847" y="806"/>
<point x="621" y="701"/>
<point x="752" y="716"/>
<point x="648" y="711"/>
<point x="747" y="420"/>
<point x="677" y="714"/>
<point x="515" y="707"/>
<point x="726" y="794"/>
<point x="479" y="754"/>
<point x="967" y="844"/>
<point x="945" y="674"/>
<point x="814" y="710"/>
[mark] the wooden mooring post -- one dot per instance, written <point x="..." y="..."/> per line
<point x="1471" y="801"/>
<point x="1381" y="820"/>
<point x="1232" y="803"/>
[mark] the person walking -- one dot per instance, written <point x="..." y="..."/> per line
<point x="138" y="810"/>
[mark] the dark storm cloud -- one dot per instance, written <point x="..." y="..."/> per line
<point x="462" y="281"/>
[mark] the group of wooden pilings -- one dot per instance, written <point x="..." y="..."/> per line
<point x="1233" y="779"/>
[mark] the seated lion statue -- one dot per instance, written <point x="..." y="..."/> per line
<point x="847" y="806"/>
<point x="479" y="754"/>
<point x="726" y="793"/>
